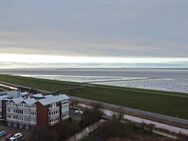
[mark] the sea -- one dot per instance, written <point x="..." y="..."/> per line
<point x="175" y="80"/>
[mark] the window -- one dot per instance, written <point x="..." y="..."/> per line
<point x="15" y="111"/>
<point x="53" y="120"/>
<point x="14" y="117"/>
<point x="9" y="116"/>
<point x="18" y="111"/>
<point x="64" y="102"/>
<point x="33" y="106"/>
<point x="8" y="110"/>
<point x="20" y="118"/>
<point x="23" y="104"/>
<point x="32" y="119"/>
<point x="65" y="113"/>
<point x="32" y="112"/>
<point x="26" y="112"/>
<point x="26" y="119"/>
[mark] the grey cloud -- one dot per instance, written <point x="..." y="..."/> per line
<point x="98" y="28"/>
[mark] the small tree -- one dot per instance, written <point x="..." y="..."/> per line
<point x="143" y="125"/>
<point x="96" y="106"/>
<point x="151" y="127"/>
<point x="120" y="117"/>
<point x="89" y="117"/>
<point x="67" y="129"/>
<point x="43" y="134"/>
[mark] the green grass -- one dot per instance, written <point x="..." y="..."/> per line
<point x="167" y="103"/>
<point x="128" y="131"/>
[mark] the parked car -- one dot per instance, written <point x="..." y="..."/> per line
<point x="78" y="112"/>
<point x="16" y="137"/>
<point x="8" y="136"/>
<point x="2" y="133"/>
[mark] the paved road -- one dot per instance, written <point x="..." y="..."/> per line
<point x="139" y="113"/>
<point x="135" y="112"/>
<point x="165" y="134"/>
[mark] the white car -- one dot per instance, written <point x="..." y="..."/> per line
<point x="79" y="112"/>
<point x="16" y="137"/>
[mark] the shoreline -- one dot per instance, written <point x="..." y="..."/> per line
<point x="153" y="90"/>
<point x="167" y="80"/>
<point x="167" y="103"/>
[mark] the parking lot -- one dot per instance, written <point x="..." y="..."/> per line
<point x="9" y="130"/>
<point x="75" y="116"/>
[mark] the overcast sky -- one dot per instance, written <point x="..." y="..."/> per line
<point x="113" y="28"/>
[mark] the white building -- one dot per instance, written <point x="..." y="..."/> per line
<point x="25" y="111"/>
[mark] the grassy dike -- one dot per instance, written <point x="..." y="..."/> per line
<point x="167" y="103"/>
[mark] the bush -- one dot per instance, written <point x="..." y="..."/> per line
<point x="67" y="129"/>
<point x="89" y="117"/>
<point x="43" y="134"/>
<point x="114" y="128"/>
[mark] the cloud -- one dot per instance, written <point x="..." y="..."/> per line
<point x="95" y="28"/>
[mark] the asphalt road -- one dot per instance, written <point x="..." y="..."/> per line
<point x="134" y="112"/>
<point x="139" y="113"/>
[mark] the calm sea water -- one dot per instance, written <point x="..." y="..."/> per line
<point x="159" y="79"/>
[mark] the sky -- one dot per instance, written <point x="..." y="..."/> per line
<point x="107" y="29"/>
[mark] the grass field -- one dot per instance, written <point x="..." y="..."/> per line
<point x="167" y="103"/>
<point x="122" y="132"/>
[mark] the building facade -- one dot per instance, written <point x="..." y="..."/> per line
<point x="28" y="111"/>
